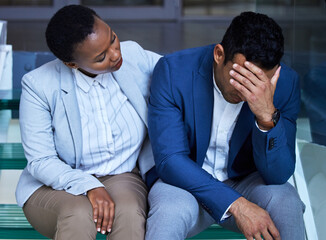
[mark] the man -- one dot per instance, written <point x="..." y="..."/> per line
<point x="222" y="123"/>
<point x="83" y="121"/>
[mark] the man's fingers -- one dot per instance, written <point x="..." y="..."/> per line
<point x="256" y="70"/>
<point x="246" y="73"/>
<point x="242" y="89"/>
<point x="257" y="236"/>
<point x="246" y="82"/>
<point x="274" y="232"/>
<point x="267" y="235"/>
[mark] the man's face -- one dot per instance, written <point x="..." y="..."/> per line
<point x="99" y="52"/>
<point x="222" y="78"/>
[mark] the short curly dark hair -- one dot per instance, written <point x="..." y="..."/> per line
<point x="258" y="37"/>
<point x="68" y="27"/>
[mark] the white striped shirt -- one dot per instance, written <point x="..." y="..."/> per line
<point x="112" y="131"/>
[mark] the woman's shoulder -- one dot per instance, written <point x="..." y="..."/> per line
<point x="48" y="77"/>
<point x="130" y="45"/>
<point x="45" y="71"/>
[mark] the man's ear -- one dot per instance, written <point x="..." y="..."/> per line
<point x="71" y="65"/>
<point x="219" y="55"/>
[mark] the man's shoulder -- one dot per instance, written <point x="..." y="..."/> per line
<point x="287" y="84"/>
<point x="285" y="69"/>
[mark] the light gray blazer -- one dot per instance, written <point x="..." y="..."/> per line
<point x="51" y="127"/>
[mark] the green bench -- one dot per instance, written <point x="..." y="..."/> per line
<point x="14" y="225"/>
<point x="9" y="99"/>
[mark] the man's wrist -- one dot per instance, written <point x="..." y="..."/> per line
<point x="265" y="125"/>
<point x="269" y="124"/>
<point x="234" y="208"/>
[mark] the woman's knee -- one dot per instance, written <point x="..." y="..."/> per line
<point x="77" y="214"/>
<point x="131" y="206"/>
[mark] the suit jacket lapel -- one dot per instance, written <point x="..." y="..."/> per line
<point x="240" y="133"/>
<point x="203" y="102"/>
<point x="131" y="90"/>
<point x="71" y="107"/>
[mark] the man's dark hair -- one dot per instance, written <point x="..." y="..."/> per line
<point x="256" y="36"/>
<point x="68" y="27"/>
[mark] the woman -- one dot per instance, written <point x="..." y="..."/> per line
<point x="83" y="126"/>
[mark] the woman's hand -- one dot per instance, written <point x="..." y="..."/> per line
<point x="103" y="209"/>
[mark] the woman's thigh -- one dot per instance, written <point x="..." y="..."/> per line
<point x="54" y="213"/>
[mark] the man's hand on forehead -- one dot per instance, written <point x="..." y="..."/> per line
<point x="257" y="88"/>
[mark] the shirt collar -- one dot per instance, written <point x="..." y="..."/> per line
<point x="85" y="82"/>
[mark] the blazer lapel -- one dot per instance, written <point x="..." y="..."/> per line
<point x="240" y="133"/>
<point x="71" y="107"/>
<point x="132" y="92"/>
<point x="203" y="92"/>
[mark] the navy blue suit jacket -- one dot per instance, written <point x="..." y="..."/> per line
<point x="180" y="120"/>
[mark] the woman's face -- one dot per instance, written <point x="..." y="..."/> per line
<point x="99" y="52"/>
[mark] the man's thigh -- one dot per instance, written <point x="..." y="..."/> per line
<point x="175" y="209"/>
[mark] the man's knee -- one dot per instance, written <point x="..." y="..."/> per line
<point x="284" y="199"/>
<point x="286" y="210"/>
<point x="174" y="205"/>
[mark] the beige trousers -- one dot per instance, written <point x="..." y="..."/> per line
<point x="63" y="216"/>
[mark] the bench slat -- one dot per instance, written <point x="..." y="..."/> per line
<point x="9" y="99"/>
<point x="12" y="156"/>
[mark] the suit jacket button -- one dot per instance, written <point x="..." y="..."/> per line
<point x="271" y="143"/>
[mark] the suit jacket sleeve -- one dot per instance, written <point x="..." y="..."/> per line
<point x="274" y="151"/>
<point x="171" y="148"/>
<point x="37" y="133"/>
